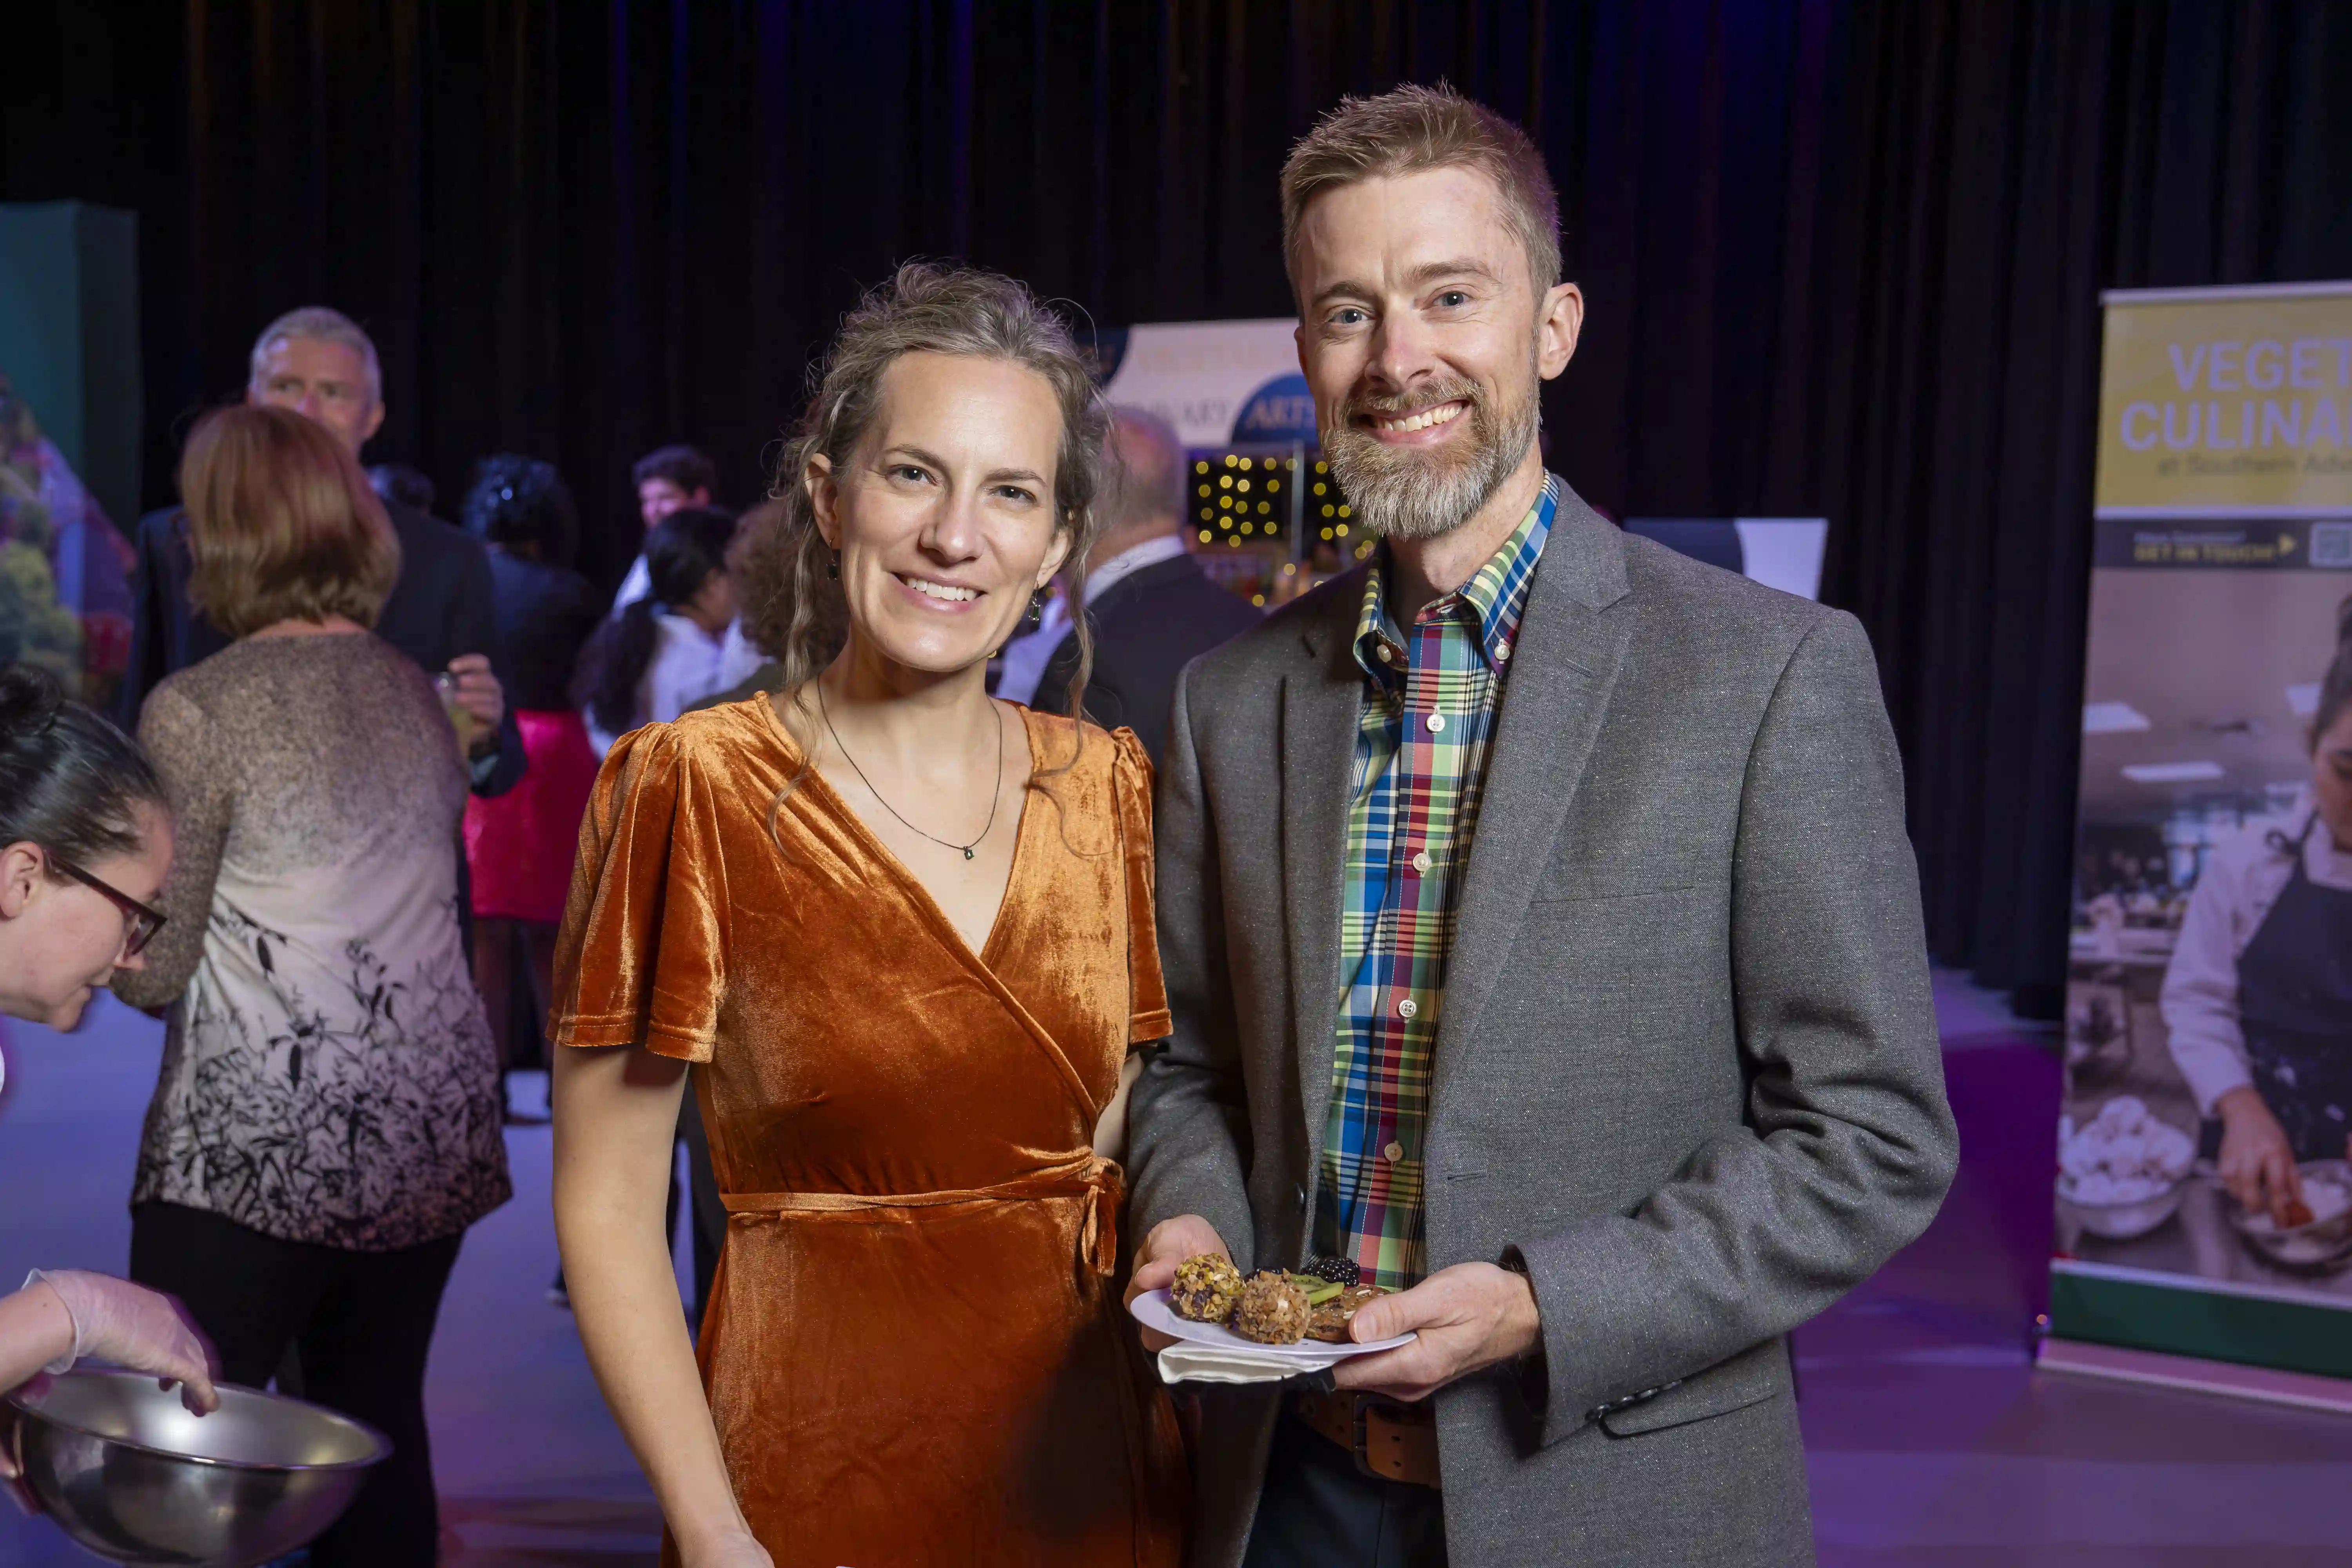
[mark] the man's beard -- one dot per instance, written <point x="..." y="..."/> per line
<point x="1402" y="493"/>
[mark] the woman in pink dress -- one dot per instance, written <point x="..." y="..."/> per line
<point x="518" y="846"/>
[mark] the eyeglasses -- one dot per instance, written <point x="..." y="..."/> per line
<point x="140" y="921"/>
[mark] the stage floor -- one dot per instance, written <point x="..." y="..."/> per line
<point x="1931" y="1441"/>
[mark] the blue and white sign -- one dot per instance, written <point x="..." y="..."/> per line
<point x="1281" y="411"/>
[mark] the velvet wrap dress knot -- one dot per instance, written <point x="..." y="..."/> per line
<point x="914" y="1351"/>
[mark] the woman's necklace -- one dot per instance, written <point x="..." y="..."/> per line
<point x="995" y="795"/>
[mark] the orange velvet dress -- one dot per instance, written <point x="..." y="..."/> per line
<point x="914" y="1351"/>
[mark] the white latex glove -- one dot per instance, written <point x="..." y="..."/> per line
<point x="133" y="1326"/>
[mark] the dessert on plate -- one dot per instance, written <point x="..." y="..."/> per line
<point x="1273" y="1310"/>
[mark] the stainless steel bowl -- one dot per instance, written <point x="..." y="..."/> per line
<point x="2322" y="1247"/>
<point x="125" y="1470"/>
<point x="2121" y="1222"/>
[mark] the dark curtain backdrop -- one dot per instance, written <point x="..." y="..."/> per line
<point x="1840" y="258"/>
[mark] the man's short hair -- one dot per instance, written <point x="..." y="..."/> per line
<point x="323" y="324"/>
<point x="1414" y="128"/>
<point x="281" y="523"/>
<point x="1148" y="480"/>
<point x="681" y="464"/>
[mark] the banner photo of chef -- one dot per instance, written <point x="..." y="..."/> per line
<point x="2204" y="1200"/>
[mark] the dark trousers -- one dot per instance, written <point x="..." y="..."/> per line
<point x="1318" y="1510"/>
<point x="705" y="1207"/>
<point x="363" y="1322"/>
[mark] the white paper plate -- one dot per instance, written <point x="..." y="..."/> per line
<point x="1152" y="1311"/>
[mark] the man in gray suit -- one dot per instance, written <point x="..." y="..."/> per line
<point x="1615" y="1100"/>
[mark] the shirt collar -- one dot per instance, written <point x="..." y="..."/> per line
<point x="1129" y="561"/>
<point x="1497" y="594"/>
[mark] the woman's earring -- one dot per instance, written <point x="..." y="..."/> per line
<point x="833" y="567"/>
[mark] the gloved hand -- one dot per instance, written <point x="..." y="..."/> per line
<point x="133" y="1326"/>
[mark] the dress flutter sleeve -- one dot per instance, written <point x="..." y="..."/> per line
<point x="640" y="960"/>
<point x="1131" y="773"/>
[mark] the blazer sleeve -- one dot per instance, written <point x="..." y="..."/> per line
<point x="1187" y="1116"/>
<point x="1849" y="1145"/>
<point x="641" y="956"/>
<point x="1146" y="988"/>
<point x="473" y="628"/>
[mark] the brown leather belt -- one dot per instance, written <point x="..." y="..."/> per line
<point x="1395" y="1442"/>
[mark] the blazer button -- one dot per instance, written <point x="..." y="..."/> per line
<point x="1302" y="1196"/>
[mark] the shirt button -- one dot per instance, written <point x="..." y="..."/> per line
<point x="1436" y="723"/>
<point x="1408" y="1008"/>
<point x="1502" y="651"/>
<point x="1394" y="1153"/>
<point x="1383" y="655"/>
<point x="1421" y="862"/>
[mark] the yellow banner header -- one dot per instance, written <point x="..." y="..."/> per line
<point x="2226" y="401"/>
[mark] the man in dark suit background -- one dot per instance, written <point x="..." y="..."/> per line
<point x="441" y="614"/>
<point x="1152" y="608"/>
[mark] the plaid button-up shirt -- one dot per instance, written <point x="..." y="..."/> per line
<point x="1430" y="703"/>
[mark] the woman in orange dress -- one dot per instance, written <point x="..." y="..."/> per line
<point x="905" y="932"/>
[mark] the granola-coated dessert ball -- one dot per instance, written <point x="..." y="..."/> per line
<point x="1206" y="1289"/>
<point x="1273" y="1310"/>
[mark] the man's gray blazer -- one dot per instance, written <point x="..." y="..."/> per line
<point x="1688" y="1065"/>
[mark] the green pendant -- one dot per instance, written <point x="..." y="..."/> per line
<point x="967" y="854"/>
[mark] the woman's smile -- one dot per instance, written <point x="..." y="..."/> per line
<point x="938" y="594"/>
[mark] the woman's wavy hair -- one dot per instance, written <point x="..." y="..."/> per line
<point x="927" y="308"/>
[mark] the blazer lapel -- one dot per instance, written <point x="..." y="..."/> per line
<point x="1322" y="697"/>
<point x="1562" y="670"/>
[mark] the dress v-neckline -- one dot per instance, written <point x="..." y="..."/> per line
<point x="985" y="954"/>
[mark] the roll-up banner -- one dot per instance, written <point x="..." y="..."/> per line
<point x="2204" y="1201"/>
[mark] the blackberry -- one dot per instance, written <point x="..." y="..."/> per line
<point x="1338" y="1271"/>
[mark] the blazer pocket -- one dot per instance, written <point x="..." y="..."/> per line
<point x="1596" y="891"/>
<point x="1751" y="1377"/>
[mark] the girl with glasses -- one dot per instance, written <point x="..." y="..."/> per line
<point x="85" y="841"/>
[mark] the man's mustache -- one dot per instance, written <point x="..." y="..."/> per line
<point x="1392" y="405"/>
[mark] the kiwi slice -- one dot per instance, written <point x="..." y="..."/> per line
<point x="1317" y="1290"/>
